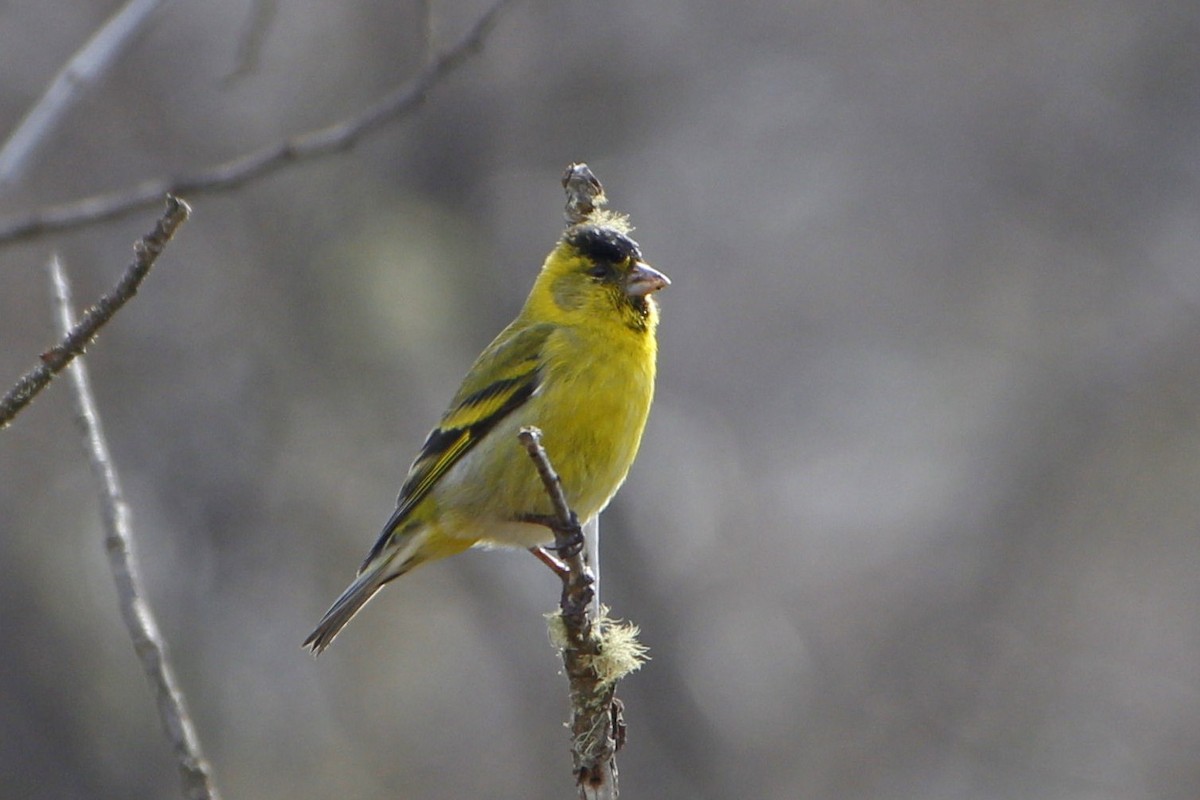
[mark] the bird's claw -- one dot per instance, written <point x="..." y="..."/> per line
<point x="568" y="539"/>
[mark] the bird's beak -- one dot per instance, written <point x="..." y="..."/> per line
<point x="644" y="279"/>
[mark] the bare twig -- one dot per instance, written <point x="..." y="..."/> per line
<point x="148" y="643"/>
<point x="584" y="193"/>
<point x="83" y="69"/>
<point x="593" y="713"/>
<point x="425" y="15"/>
<point x="591" y="554"/>
<point x="80" y="335"/>
<point x="233" y="173"/>
<point x="596" y="651"/>
<point x="250" y="42"/>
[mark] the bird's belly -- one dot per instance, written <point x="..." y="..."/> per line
<point x="591" y="410"/>
<point x="496" y="484"/>
<point x="515" y="534"/>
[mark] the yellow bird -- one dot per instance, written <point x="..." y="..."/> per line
<point x="578" y="362"/>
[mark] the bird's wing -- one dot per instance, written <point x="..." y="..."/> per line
<point x="503" y="379"/>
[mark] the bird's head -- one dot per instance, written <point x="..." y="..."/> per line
<point x="596" y="269"/>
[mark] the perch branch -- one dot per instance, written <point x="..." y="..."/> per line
<point x="585" y="195"/>
<point x="81" y="334"/>
<point x="148" y="643"/>
<point x="594" y="712"/>
<point x="334" y="138"/>
<point x="584" y="191"/>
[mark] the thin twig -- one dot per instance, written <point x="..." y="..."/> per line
<point x="591" y="553"/>
<point x="594" y="717"/>
<point x="237" y="171"/>
<point x="584" y="191"/>
<point x="145" y="252"/>
<point x="425" y="15"/>
<point x="250" y="42"/>
<point x="81" y="71"/>
<point x="585" y="195"/>
<point x="148" y="643"/>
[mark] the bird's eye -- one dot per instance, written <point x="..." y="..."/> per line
<point x="598" y="271"/>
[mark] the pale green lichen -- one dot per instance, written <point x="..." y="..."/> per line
<point x="618" y="650"/>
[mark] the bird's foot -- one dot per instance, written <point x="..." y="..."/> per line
<point x="568" y="539"/>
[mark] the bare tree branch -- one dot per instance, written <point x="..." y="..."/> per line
<point x="597" y="729"/>
<point x="596" y="651"/>
<point x="75" y="340"/>
<point x="585" y="195"/>
<point x="254" y="33"/>
<point x="194" y="771"/>
<point x="83" y="69"/>
<point x="237" y="171"/>
<point x="425" y="14"/>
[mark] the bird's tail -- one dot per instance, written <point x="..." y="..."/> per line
<point x="369" y="581"/>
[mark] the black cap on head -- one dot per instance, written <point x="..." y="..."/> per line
<point x="603" y="244"/>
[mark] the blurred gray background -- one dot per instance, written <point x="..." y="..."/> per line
<point x="916" y="512"/>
